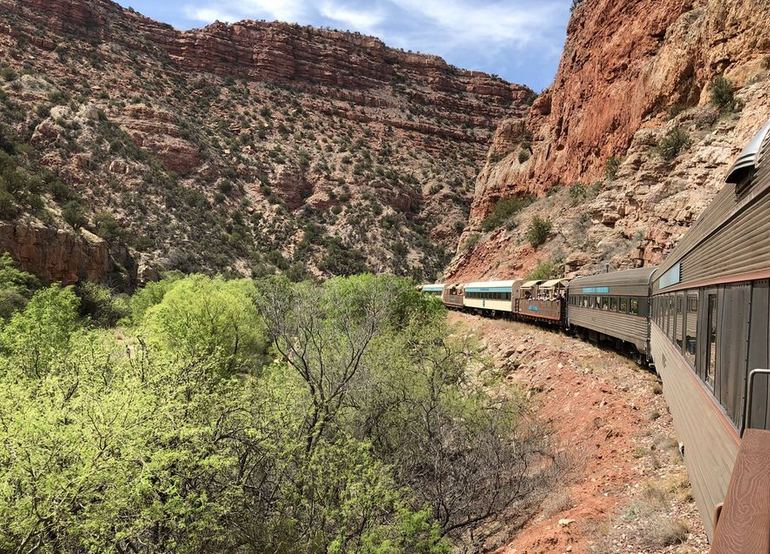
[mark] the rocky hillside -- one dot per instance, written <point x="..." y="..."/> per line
<point x="652" y="102"/>
<point x="239" y="148"/>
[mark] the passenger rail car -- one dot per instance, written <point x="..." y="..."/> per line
<point x="613" y="307"/>
<point x="541" y="300"/>
<point x="434" y="290"/>
<point x="453" y="295"/>
<point x="495" y="296"/>
<point x="711" y="325"/>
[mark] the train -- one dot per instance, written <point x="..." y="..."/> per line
<point x="701" y="320"/>
<point x="610" y="307"/>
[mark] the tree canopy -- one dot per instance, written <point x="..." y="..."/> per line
<point x="239" y="416"/>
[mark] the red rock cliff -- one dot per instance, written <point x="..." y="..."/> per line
<point x="626" y="66"/>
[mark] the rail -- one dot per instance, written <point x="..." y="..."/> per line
<point x="750" y="397"/>
<point x="742" y="523"/>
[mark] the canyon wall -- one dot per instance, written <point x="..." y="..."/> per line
<point x="631" y="72"/>
<point x="251" y="146"/>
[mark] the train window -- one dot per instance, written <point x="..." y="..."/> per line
<point x="679" y="323"/>
<point x="691" y="329"/>
<point x="711" y="349"/>
<point x="623" y="306"/>
<point x="634" y="306"/>
<point x="614" y="304"/>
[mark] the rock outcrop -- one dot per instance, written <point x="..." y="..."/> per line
<point x="57" y="255"/>
<point x="630" y="71"/>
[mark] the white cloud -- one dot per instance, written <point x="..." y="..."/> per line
<point x="226" y="10"/>
<point x="365" y="21"/>
<point x="494" y="35"/>
<point x="207" y="15"/>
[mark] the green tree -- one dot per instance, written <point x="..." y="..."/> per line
<point x="37" y="336"/>
<point x="538" y="231"/>
<point x="200" y="318"/>
<point x="16" y="287"/>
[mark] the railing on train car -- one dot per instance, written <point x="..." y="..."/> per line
<point x="749" y="396"/>
<point x="742" y="522"/>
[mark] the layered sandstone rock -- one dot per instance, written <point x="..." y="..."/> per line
<point x="57" y="255"/>
<point x="627" y="68"/>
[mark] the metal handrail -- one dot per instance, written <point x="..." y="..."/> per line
<point x="750" y="396"/>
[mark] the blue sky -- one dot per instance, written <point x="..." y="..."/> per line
<point x="521" y="40"/>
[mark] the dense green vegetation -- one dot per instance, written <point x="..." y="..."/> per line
<point x="250" y="416"/>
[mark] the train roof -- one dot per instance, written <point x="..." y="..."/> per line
<point x="748" y="159"/>
<point x="481" y="285"/>
<point x="640" y="276"/>
<point x="433" y="287"/>
<point x="553" y="283"/>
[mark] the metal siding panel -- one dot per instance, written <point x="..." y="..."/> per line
<point x="732" y="345"/>
<point x="631" y="282"/>
<point x="629" y="328"/>
<point x="711" y="444"/>
<point x="758" y="354"/>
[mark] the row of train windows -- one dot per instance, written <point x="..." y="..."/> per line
<point x="620" y="304"/>
<point x="677" y="316"/>
<point x="489" y="295"/>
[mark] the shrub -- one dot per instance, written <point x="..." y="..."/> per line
<point x="8" y="74"/>
<point x="523" y="156"/>
<point x="673" y="143"/>
<point x="547" y="269"/>
<point x="495" y="157"/>
<point x="98" y="303"/>
<point x="722" y="94"/>
<point x="611" y="168"/>
<point x="676" y="109"/>
<point x="578" y="193"/>
<point x="539" y="231"/>
<point x="74" y="214"/>
<point x="16" y="287"/>
<point x="107" y="227"/>
<point x="471" y="242"/>
<point x="503" y="210"/>
<point x="669" y="532"/>
<point x="8" y="207"/>
<point x="225" y="187"/>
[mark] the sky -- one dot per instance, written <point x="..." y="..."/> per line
<point x="520" y="40"/>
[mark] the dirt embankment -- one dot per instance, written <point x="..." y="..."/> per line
<point x="627" y="488"/>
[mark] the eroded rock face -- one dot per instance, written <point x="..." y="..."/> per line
<point x="58" y="255"/>
<point x="627" y="67"/>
